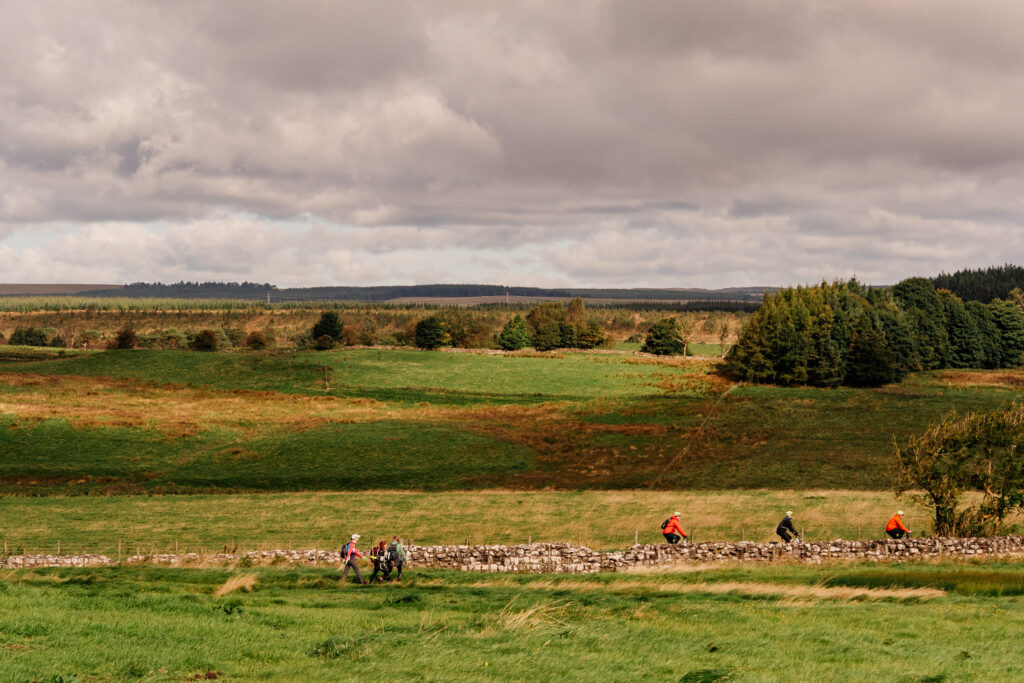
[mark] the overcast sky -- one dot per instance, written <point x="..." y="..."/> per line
<point x="554" y="143"/>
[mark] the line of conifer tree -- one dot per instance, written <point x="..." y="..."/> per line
<point x="845" y="333"/>
<point x="982" y="284"/>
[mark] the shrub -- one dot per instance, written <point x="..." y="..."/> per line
<point x="235" y="336"/>
<point x="257" y="341"/>
<point x="89" y="337"/>
<point x="325" y="342"/>
<point x="205" y="340"/>
<point x="126" y="338"/>
<point x="29" y="336"/>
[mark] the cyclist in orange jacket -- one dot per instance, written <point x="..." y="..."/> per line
<point x="672" y="529"/>
<point x="895" y="527"/>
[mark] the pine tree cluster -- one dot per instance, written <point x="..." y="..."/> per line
<point x="845" y="333"/>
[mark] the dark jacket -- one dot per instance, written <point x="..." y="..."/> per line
<point x="786" y="524"/>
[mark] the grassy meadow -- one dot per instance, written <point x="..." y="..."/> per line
<point x="116" y="422"/>
<point x="931" y="623"/>
<point x="299" y="449"/>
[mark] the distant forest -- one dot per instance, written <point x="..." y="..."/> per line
<point x="983" y="284"/>
<point x="255" y="291"/>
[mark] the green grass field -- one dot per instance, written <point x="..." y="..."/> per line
<point x="770" y="623"/>
<point x="172" y="421"/>
<point x="597" y="519"/>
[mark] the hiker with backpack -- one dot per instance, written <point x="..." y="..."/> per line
<point x="381" y="563"/>
<point x="672" y="529"/>
<point x="349" y="554"/>
<point x="396" y="554"/>
<point x="785" y="527"/>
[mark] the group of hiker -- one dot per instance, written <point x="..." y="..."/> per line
<point x="387" y="559"/>
<point x="672" y="528"/>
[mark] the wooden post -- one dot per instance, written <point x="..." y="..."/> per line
<point x="529" y="540"/>
<point x="58" y="547"/>
<point x="636" y="537"/>
<point x="119" y="551"/>
<point x="175" y="546"/>
<point x="858" y="532"/>
<point x="741" y="534"/>
<point x="5" y="547"/>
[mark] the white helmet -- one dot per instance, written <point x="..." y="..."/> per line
<point x="789" y="513"/>
<point x="355" y="537"/>
<point x="676" y="514"/>
<point x="899" y="512"/>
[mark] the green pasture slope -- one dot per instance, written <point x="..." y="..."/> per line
<point x="607" y="422"/>
<point x="766" y="624"/>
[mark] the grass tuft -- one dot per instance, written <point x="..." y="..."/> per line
<point x="242" y="582"/>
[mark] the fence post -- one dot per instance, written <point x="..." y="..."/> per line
<point x="58" y="547"/>
<point x="741" y="534"/>
<point x="529" y="540"/>
<point x="119" y="551"/>
<point x="636" y="537"/>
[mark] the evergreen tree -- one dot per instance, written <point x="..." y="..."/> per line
<point x="548" y="336"/>
<point x="514" y="334"/>
<point x="430" y="333"/>
<point x="1009" y="321"/>
<point x="964" y="339"/>
<point x="329" y="324"/>
<point x="870" y="362"/>
<point x="990" y="353"/>
<point x="664" y="338"/>
<point x="590" y="336"/>
<point x="924" y="308"/>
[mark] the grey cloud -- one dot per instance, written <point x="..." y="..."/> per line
<point x="599" y="140"/>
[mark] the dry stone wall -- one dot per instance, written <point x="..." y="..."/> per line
<point x="563" y="558"/>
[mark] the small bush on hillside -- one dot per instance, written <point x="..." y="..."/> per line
<point x="205" y="340"/>
<point x="303" y="341"/>
<point x="29" y="336"/>
<point x="235" y="336"/>
<point x="325" y="342"/>
<point x="126" y="338"/>
<point x="368" y="332"/>
<point x="257" y="341"/>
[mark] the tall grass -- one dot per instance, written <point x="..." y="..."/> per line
<point x="966" y="581"/>
<point x="303" y="625"/>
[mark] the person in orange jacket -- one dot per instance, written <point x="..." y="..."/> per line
<point x="895" y="527"/>
<point x="672" y="529"/>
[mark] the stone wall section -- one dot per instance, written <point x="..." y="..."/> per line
<point x="563" y="558"/>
